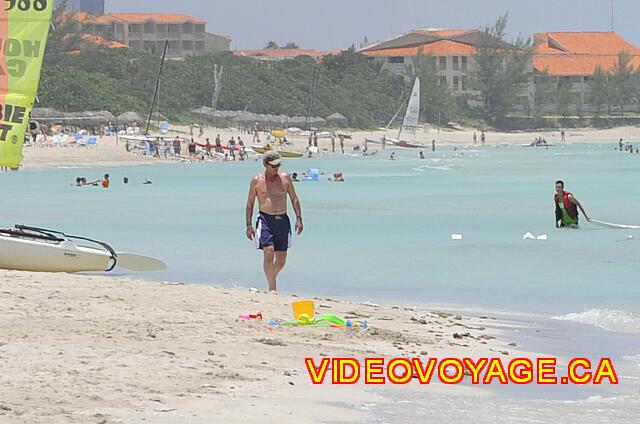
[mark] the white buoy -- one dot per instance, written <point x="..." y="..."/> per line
<point x="456" y="236"/>
<point x="630" y="236"/>
<point x="528" y="236"/>
<point x="542" y="237"/>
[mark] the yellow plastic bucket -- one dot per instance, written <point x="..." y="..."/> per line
<point x="305" y="307"/>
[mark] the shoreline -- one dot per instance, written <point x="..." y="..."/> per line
<point x="96" y="348"/>
<point x="107" y="154"/>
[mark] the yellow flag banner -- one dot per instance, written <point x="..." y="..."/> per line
<point x="24" y="27"/>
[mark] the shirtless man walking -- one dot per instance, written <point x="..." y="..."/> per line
<point x="273" y="228"/>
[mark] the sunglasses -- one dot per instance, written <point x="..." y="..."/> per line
<point x="274" y="166"/>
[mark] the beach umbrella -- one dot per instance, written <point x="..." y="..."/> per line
<point x="130" y="118"/>
<point x="337" y="120"/>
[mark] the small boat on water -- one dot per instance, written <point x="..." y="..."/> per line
<point x="25" y="248"/>
<point x="409" y="124"/>
<point x="283" y="153"/>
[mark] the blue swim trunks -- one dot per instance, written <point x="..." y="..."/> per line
<point x="273" y="230"/>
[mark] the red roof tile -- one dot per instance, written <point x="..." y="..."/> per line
<point x="577" y="64"/>
<point x="592" y="43"/>
<point x="168" y="18"/>
<point x="579" y="53"/>
<point x="438" y="48"/>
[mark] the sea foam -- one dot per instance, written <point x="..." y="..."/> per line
<point x="608" y="319"/>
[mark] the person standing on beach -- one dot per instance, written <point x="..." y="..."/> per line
<point x="562" y="136"/>
<point x="333" y="143"/>
<point x="433" y="145"/>
<point x="567" y="207"/>
<point x="273" y="228"/>
<point x="341" y="138"/>
<point x="475" y="138"/>
<point x="483" y="138"/>
<point x="176" y="146"/>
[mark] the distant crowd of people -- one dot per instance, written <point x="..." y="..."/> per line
<point x="627" y="147"/>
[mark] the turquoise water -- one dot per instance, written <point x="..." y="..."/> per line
<point x="384" y="234"/>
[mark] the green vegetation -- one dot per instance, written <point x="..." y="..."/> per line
<point x="118" y="80"/>
<point x="77" y="78"/>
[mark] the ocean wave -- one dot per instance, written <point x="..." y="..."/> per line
<point x="608" y="319"/>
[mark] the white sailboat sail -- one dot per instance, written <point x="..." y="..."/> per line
<point x="410" y="122"/>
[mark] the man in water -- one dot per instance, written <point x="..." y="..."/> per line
<point x="105" y="181"/>
<point x="273" y="228"/>
<point x="567" y="207"/>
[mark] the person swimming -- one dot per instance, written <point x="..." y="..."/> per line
<point x="147" y="181"/>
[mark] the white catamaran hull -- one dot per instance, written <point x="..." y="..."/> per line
<point x="23" y="254"/>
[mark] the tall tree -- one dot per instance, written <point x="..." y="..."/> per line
<point x="436" y="100"/>
<point x="501" y="70"/>
<point x="598" y="91"/>
<point x="271" y="45"/>
<point x="544" y="91"/>
<point x="564" y="97"/>
<point x="622" y="86"/>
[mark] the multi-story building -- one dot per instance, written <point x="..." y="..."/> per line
<point x="572" y="57"/>
<point x="185" y="34"/>
<point x="94" y="7"/>
<point x="453" y="49"/>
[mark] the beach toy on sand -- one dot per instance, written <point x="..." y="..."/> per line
<point x="305" y="307"/>
<point x="247" y="317"/>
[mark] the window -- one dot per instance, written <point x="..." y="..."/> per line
<point x="187" y="28"/>
<point x="464" y="63"/>
<point x="396" y="59"/>
<point x="443" y="80"/>
<point x="456" y="83"/>
<point x="463" y="83"/>
<point x="586" y="78"/>
<point x="442" y="63"/>
<point x="149" y="28"/>
<point x="456" y="64"/>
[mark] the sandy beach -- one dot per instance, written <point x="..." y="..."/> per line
<point x="112" y="153"/>
<point x="95" y="349"/>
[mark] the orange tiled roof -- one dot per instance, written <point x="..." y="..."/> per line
<point x="86" y="18"/>
<point x="568" y="65"/>
<point x="579" y="53"/>
<point x="591" y="43"/>
<point x="438" y="48"/>
<point x="168" y="18"/>
<point x="134" y="18"/>
<point x="103" y="42"/>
